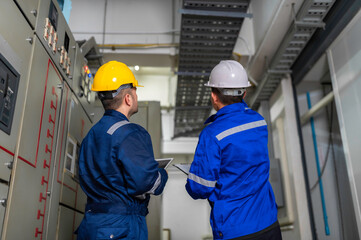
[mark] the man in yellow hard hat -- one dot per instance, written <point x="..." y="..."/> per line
<point x="117" y="169"/>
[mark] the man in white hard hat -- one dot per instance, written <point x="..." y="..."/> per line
<point x="231" y="164"/>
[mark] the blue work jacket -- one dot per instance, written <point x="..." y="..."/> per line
<point x="117" y="172"/>
<point x="231" y="170"/>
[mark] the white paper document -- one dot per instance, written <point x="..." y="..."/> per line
<point x="183" y="167"/>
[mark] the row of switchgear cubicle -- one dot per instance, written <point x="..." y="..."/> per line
<point x="46" y="108"/>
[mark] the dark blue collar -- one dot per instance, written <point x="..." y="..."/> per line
<point x="235" y="107"/>
<point x="116" y="114"/>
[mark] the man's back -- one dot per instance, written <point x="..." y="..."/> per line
<point x="232" y="152"/>
<point x="117" y="172"/>
<point x="108" y="159"/>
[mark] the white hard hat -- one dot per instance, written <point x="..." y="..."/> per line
<point x="228" y="74"/>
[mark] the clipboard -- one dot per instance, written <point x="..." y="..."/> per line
<point x="164" y="162"/>
<point x="184" y="167"/>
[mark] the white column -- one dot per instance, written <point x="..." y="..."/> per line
<point x="295" y="160"/>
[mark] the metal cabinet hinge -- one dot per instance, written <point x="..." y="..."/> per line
<point x="3" y="202"/>
<point x="9" y="165"/>
<point x="34" y="12"/>
<point x="30" y="40"/>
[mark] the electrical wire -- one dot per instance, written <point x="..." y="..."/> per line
<point x="330" y="145"/>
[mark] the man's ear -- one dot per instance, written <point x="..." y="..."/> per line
<point x="214" y="97"/>
<point x="128" y="99"/>
<point x="244" y="94"/>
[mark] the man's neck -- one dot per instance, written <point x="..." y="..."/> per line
<point x="218" y="106"/>
<point x="124" y="111"/>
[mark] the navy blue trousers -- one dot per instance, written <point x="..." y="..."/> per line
<point x="273" y="232"/>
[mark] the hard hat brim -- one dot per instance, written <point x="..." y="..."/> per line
<point x="217" y="86"/>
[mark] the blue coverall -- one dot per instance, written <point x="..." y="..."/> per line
<point x="117" y="171"/>
<point x="231" y="170"/>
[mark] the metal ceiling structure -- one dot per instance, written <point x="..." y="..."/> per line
<point x="209" y="31"/>
<point x="308" y="19"/>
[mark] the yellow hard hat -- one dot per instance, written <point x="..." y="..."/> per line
<point x="111" y="75"/>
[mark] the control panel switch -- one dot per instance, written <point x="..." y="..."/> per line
<point x="55" y="40"/>
<point x="61" y="59"/>
<point x="47" y="23"/>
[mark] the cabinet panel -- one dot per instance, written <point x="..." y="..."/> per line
<point x="30" y="9"/>
<point x="30" y="190"/>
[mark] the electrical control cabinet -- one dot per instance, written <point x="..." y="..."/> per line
<point x="15" y="52"/>
<point x="56" y="180"/>
<point x="45" y="111"/>
<point x="46" y="18"/>
<point x="149" y="117"/>
<point x="82" y="82"/>
<point x="34" y="168"/>
<point x="72" y="197"/>
<point x="56" y="37"/>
